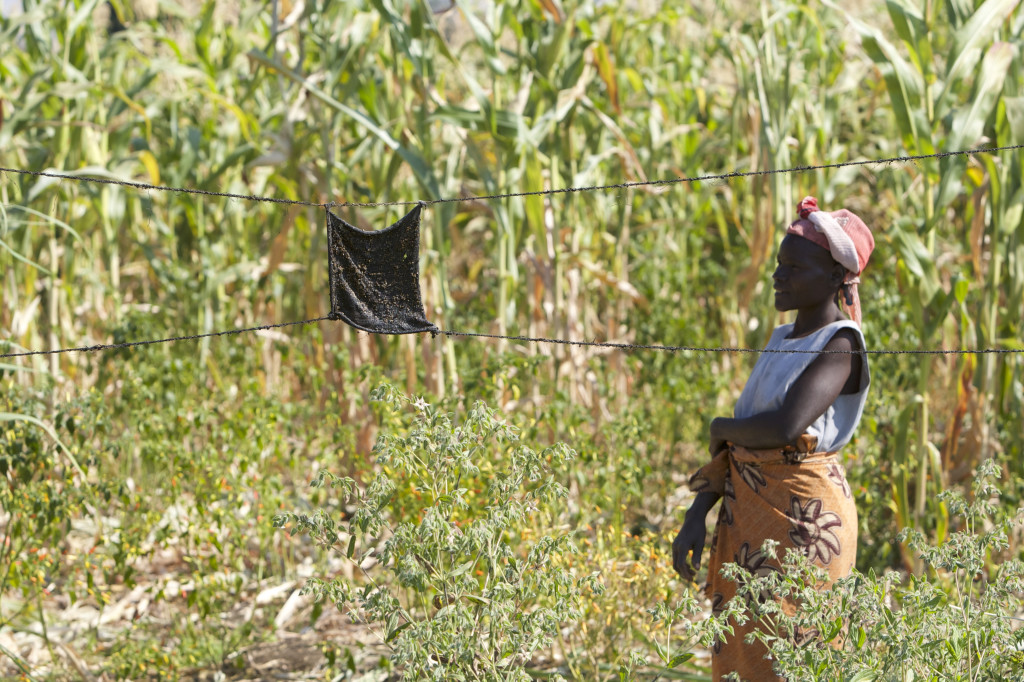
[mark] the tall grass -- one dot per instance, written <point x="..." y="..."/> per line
<point x="946" y="82"/>
<point x="522" y="97"/>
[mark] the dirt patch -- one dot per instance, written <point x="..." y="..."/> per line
<point x="294" y="656"/>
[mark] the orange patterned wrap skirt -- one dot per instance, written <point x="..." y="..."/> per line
<point x="795" y="496"/>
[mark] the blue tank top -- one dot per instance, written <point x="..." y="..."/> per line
<point x="774" y="373"/>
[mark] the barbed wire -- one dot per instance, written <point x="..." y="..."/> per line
<point x="170" y="339"/>
<point x="697" y="178"/>
<point x="488" y="197"/>
<point x="628" y="347"/>
<point x="564" y="190"/>
<point x="159" y="188"/>
<point x="726" y="349"/>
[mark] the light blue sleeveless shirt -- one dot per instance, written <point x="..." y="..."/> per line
<point x="774" y="373"/>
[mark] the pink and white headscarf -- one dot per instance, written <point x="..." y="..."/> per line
<point x="845" y="236"/>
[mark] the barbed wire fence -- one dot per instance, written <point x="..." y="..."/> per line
<point x="629" y="347"/>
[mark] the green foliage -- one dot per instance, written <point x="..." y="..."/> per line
<point x="98" y="492"/>
<point x="452" y="586"/>
<point x="38" y="506"/>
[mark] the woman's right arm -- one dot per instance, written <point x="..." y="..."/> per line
<point x="692" y="536"/>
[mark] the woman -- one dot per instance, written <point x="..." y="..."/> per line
<point x="775" y="462"/>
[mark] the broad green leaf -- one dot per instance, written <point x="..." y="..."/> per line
<point x="83" y="14"/>
<point x="483" y="34"/>
<point x="960" y="288"/>
<point x="462" y="568"/>
<point x="1014" y="108"/>
<point x="32" y="16"/>
<point x="911" y="28"/>
<point x="904" y="83"/>
<point x="553" y="46"/>
<point x="834" y="630"/>
<point x="919" y="261"/>
<point x="533" y="181"/>
<point x="970" y="39"/>
<point x="506" y="122"/>
<point x="936" y="312"/>
<point x="397" y="631"/>
<point x="1012" y="217"/>
<point x="968" y="122"/>
<point x="243" y="119"/>
<point x="679" y="659"/>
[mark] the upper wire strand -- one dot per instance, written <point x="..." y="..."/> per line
<point x="487" y="197"/>
<point x="564" y="190"/>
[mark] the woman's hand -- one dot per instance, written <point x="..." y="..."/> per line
<point x="690" y="540"/>
<point x="716" y="445"/>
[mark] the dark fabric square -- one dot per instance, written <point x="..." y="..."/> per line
<point x="375" y="276"/>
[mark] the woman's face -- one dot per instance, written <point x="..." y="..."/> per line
<point x="806" y="275"/>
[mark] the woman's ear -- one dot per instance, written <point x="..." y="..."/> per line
<point x="838" y="275"/>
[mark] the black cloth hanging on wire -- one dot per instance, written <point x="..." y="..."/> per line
<point x="375" y="276"/>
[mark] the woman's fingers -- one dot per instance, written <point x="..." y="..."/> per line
<point x="684" y="570"/>
<point x="691" y="564"/>
<point x="697" y="551"/>
<point x="679" y="555"/>
<point x="683" y="548"/>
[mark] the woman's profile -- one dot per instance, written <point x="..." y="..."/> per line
<point x="775" y="463"/>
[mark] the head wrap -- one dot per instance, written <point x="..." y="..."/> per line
<point x="843" y="234"/>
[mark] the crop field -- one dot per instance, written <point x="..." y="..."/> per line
<point x="307" y="501"/>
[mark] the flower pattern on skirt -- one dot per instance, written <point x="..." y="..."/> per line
<point x="751" y="474"/>
<point x="812" y="530"/>
<point x="837" y="474"/>
<point x="728" y="498"/>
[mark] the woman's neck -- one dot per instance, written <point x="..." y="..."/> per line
<point x="810" y="320"/>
